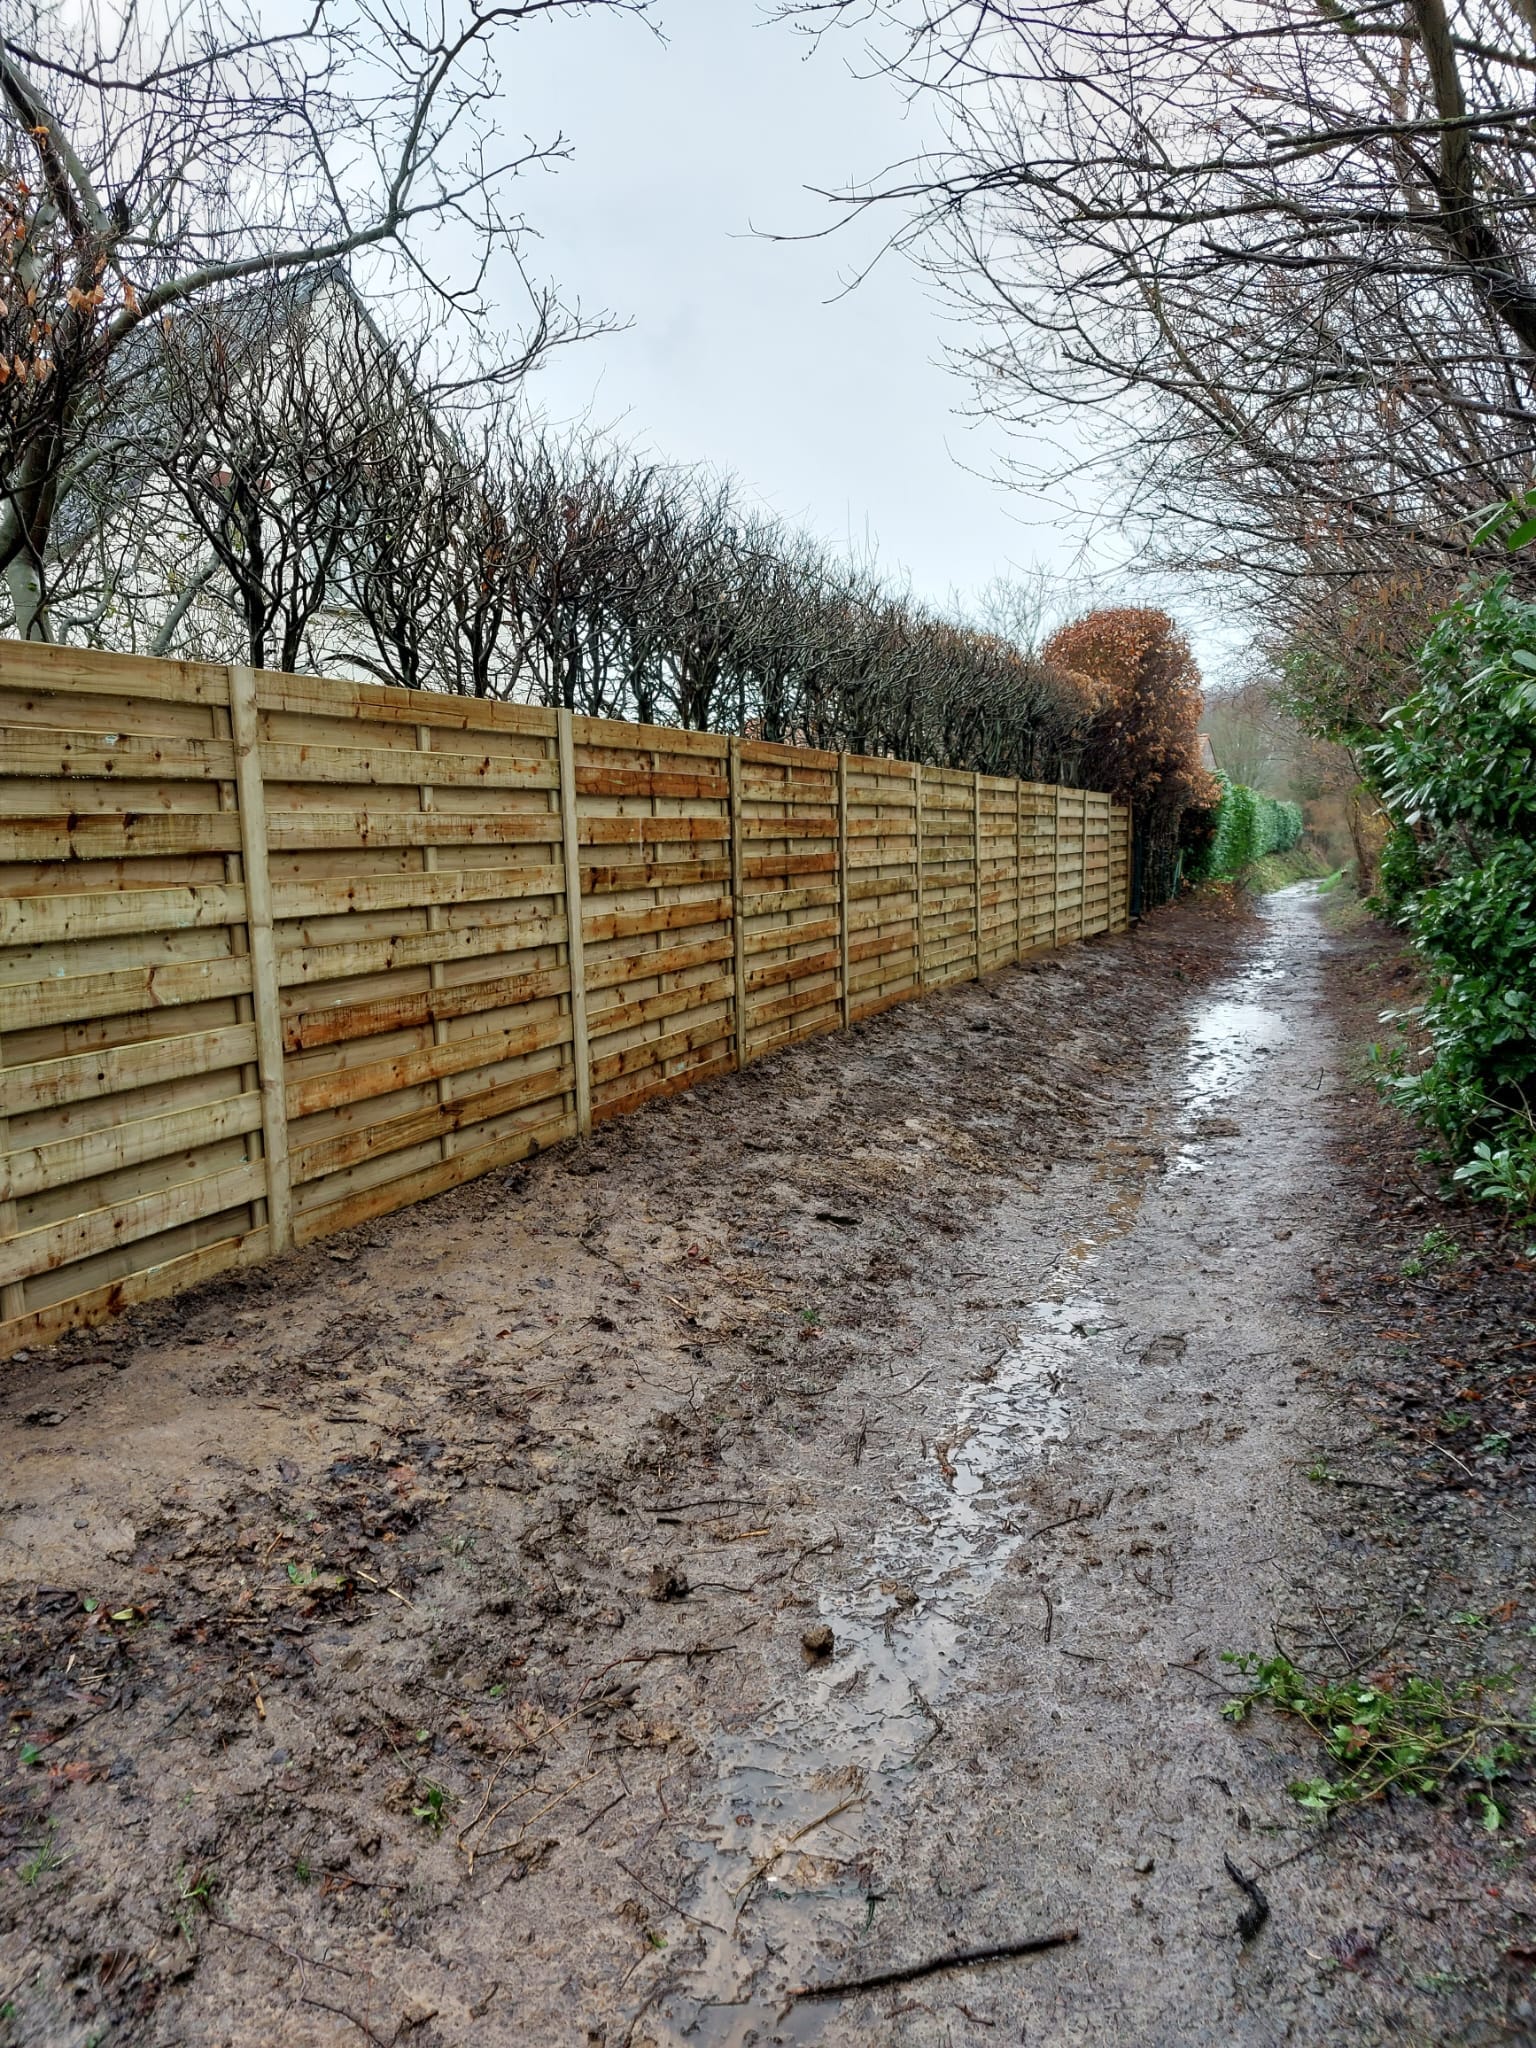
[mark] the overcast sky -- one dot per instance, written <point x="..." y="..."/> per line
<point x="836" y="408"/>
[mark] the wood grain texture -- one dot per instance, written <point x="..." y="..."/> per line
<point x="280" y="954"/>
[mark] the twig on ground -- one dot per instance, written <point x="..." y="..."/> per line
<point x="649" y="1656"/>
<point x="342" y="2013"/>
<point x="1090" y="1513"/>
<point x="618" y="1797"/>
<point x="763" y="1864"/>
<point x="368" y="1579"/>
<point x="722" y="1500"/>
<point x="661" y="1899"/>
<point x="961" y="1959"/>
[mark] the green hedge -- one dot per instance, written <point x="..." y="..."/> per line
<point x="1248" y="826"/>
<point x="1456" y="765"/>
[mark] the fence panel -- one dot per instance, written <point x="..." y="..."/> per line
<point x="279" y="954"/>
<point x="418" y="897"/>
<point x="791" y="894"/>
<point x="655" y="833"/>
<point x="949" y="876"/>
<point x="130" y="1099"/>
<point x="881" y="852"/>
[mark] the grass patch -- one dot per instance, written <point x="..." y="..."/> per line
<point x="1301" y="863"/>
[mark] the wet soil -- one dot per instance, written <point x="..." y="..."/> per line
<point x="787" y="1539"/>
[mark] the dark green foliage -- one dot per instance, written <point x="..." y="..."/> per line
<point x="1457" y="766"/>
<point x="1246" y="827"/>
<point x="1399" y="870"/>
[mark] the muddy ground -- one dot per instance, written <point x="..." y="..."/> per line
<point x="425" y="1639"/>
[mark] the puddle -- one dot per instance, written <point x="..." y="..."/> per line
<point x="1236" y="1030"/>
<point x="781" y="1876"/>
<point x="779" y="1868"/>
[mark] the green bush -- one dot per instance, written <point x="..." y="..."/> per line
<point x="1247" y="828"/>
<point x="1457" y="766"/>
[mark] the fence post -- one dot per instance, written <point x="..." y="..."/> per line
<point x="1055" y="866"/>
<point x="245" y="732"/>
<point x="1128" y="835"/>
<point x="1018" y="871"/>
<point x="842" y="885"/>
<point x="13" y="1295"/>
<point x="922" y="947"/>
<point x="436" y="922"/>
<point x="976" y="838"/>
<point x="738" y="920"/>
<point x="575" y="949"/>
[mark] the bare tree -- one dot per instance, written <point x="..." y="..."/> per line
<point x="271" y="437"/>
<point x="155" y="155"/>
<point x="1277" y="261"/>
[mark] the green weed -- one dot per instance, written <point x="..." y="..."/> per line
<point x="1436" y="1250"/>
<point x="433" y="1810"/>
<point x="47" y="1856"/>
<point x="1398" y="1732"/>
<point x="194" y="1896"/>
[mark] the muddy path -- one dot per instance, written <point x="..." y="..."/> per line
<point x="790" y="1538"/>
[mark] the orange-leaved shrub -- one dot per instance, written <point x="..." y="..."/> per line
<point x="1144" y="724"/>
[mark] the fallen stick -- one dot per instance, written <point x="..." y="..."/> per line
<point x="961" y="1959"/>
<point x="369" y="1580"/>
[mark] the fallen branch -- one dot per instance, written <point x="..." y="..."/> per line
<point x="961" y="1959"/>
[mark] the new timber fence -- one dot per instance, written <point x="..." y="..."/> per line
<point x="279" y="954"/>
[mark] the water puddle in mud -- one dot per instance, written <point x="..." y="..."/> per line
<point x="778" y="1866"/>
<point x="1234" y="1032"/>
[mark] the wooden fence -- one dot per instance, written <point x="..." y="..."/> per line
<point x="279" y="954"/>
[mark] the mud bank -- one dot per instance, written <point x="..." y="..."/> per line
<point x="788" y="1539"/>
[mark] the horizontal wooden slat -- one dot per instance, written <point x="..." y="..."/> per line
<point x="116" y="836"/>
<point x="382" y="766"/>
<point x="25" y="1005"/>
<point x="312" y="1022"/>
<point x="38" y="1167"/>
<point x="97" y="1230"/>
<point x="331" y="898"/>
<point x="104" y="913"/>
<point x="32" y="665"/>
<point x="304" y="965"/>
<point x="331" y="1089"/>
<point x="31" y="751"/>
<point x="50" y="1084"/>
<point x="393" y="1134"/>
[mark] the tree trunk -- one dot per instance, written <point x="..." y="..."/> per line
<point x="24" y="580"/>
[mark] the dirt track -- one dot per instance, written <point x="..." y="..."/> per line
<point x="363" y="1700"/>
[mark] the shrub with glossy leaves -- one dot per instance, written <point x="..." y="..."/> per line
<point x="1457" y="764"/>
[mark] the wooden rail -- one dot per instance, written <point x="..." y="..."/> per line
<point x="279" y="954"/>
